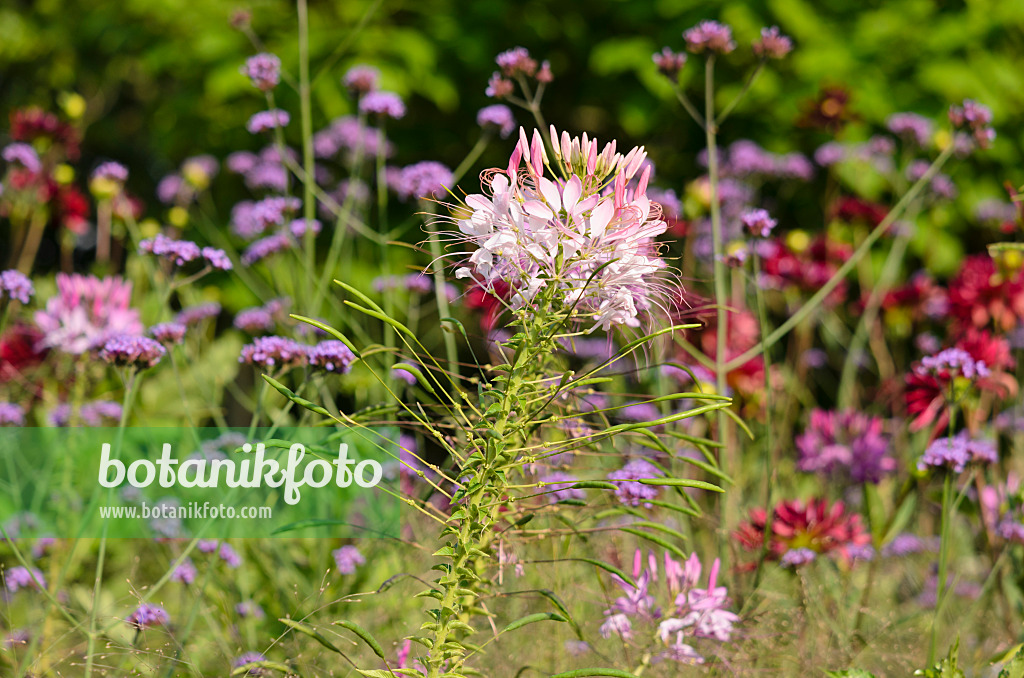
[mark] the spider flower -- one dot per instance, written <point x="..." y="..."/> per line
<point x="582" y="242"/>
<point x="85" y="312"/>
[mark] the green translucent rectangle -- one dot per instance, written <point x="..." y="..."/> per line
<point x="143" y="482"/>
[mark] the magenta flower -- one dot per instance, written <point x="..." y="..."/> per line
<point x="427" y="179"/>
<point x="184" y="573"/>
<point x="596" y="247"/>
<point x="709" y="36"/>
<point x="633" y="493"/>
<point x="193" y="315"/>
<point x="267" y="120"/>
<point x="168" y="333"/>
<point x="251" y="658"/>
<point x="361" y="79"/>
<point x="384" y="104"/>
<point x="298" y="227"/>
<point x="348" y="558"/>
<point x="264" y="70"/>
<point x="17" y="286"/>
<point x="11" y="414"/>
<point x="332" y="356"/>
<point x="403" y="374"/>
<point x="113" y="172"/>
<point x="18" y="578"/>
<point x="147" y="615"/>
<point x="669" y="63"/>
<point x="86" y="311"/>
<point x="270" y="352"/>
<point x="265" y="247"/>
<point x="24" y="155"/>
<point x="758" y="223"/>
<point x="132" y="351"/>
<point x="178" y="252"/>
<point x="911" y="127"/>
<point x="975" y="119"/>
<point x="96" y="413"/>
<point x="516" y="61"/>
<point x="241" y="162"/>
<point x="796" y="557"/>
<point x="957" y="452"/>
<point x="772" y="44"/>
<point x="847" y="443"/>
<point x="497" y="118"/>
<point x="216" y="258"/>
<point x="561" y="487"/>
<point x="499" y="87"/>
<point x="253" y="320"/>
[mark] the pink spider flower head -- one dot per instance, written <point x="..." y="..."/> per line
<point x="86" y="311"/>
<point x="691" y="611"/>
<point x="581" y="242"/>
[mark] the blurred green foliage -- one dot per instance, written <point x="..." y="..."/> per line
<point x="162" y="79"/>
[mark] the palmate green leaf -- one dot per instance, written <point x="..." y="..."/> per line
<point x="533" y="619"/>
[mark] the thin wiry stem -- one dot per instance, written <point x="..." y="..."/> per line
<point x="812" y="304"/>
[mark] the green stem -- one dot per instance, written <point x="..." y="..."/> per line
<point x="720" y="282"/>
<point x="867" y="321"/>
<point x="308" y="205"/>
<point x="812" y="304"/>
<point x="739" y="97"/>
<point x="131" y="386"/>
<point x="940" y="587"/>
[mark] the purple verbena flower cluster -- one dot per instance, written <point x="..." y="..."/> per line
<point x="264" y="121"/>
<point x="132" y="351"/>
<point x="957" y="452"/>
<point x="850" y="443"/>
<point x="497" y="118"/>
<point x="263" y="70"/>
<point x="383" y="104"/>
<point x="347" y="559"/>
<point x="16" y="285"/>
<point x="709" y="36"/>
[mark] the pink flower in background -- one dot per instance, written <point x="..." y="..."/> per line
<point x="86" y="311"/>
